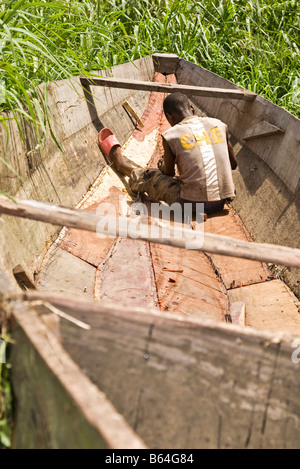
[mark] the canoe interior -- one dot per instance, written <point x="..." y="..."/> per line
<point x="62" y="179"/>
<point x="152" y="368"/>
<point x="267" y="180"/>
<point x="177" y="383"/>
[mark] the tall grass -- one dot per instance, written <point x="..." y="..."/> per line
<point x="254" y="43"/>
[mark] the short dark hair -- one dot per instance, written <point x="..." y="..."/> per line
<point x="176" y="102"/>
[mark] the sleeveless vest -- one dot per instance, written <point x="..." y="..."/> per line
<point x="200" y="147"/>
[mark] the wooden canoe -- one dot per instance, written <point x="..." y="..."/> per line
<point x="134" y="342"/>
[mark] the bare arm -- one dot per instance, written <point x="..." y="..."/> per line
<point x="168" y="165"/>
<point x="232" y="157"/>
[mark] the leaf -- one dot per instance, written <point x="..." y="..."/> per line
<point x="5" y="439"/>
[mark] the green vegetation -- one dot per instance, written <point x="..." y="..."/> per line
<point x="254" y="43"/>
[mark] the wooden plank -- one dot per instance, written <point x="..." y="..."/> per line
<point x="186" y="284"/>
<point x="262" y="129"/>
<point x="88" y="246"/>
<point x="133" y="113"/>
<point x="126" y="277"/>
<point x="67" y="273"/>
<point x="58" y="406"/>
<point x="226" y="383"/>
<point x="80" y="219"/>
<point x="165" y="63"/>
<point x="270" y="306"/>
<point x="170" y="88"/>
<point x="74" y="108"/>
<point x="22" y="278"/>
<point x="89" y="307"/>
<point x="234" y="272"/>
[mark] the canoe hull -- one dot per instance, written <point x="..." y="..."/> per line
<point x="177" y="383"/>
<point x="168" y="382"/>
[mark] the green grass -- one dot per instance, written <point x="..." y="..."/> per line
<point x="254" y="43"/>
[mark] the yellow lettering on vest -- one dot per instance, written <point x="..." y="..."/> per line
<point x="217" y="135"/>
<point x="203" y="139"/>
<point x="184" y="142"/>
<point x="198" y="139"/>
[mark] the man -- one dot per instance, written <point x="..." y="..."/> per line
<point x="200" y="150"/>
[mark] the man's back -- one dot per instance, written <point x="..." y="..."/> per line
<point x="202" y="158"/>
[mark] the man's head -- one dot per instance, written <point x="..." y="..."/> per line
<point x="177" y="107"/>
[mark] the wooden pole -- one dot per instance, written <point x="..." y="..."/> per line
<point x="169" y="88"/>
<point x="124" y="227"/>
<point x="75" y="304"/>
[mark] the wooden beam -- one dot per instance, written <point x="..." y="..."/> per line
<point x="169" y="88"/>
<point x="165" y="63"/>
<point x="123" y="227"/>
<point x="51" y="375"/>
<point x="269" y="306"/>
<point x="23" y="278"/>
<point x="262" y="129"/>
<point x="133" y="113"/>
